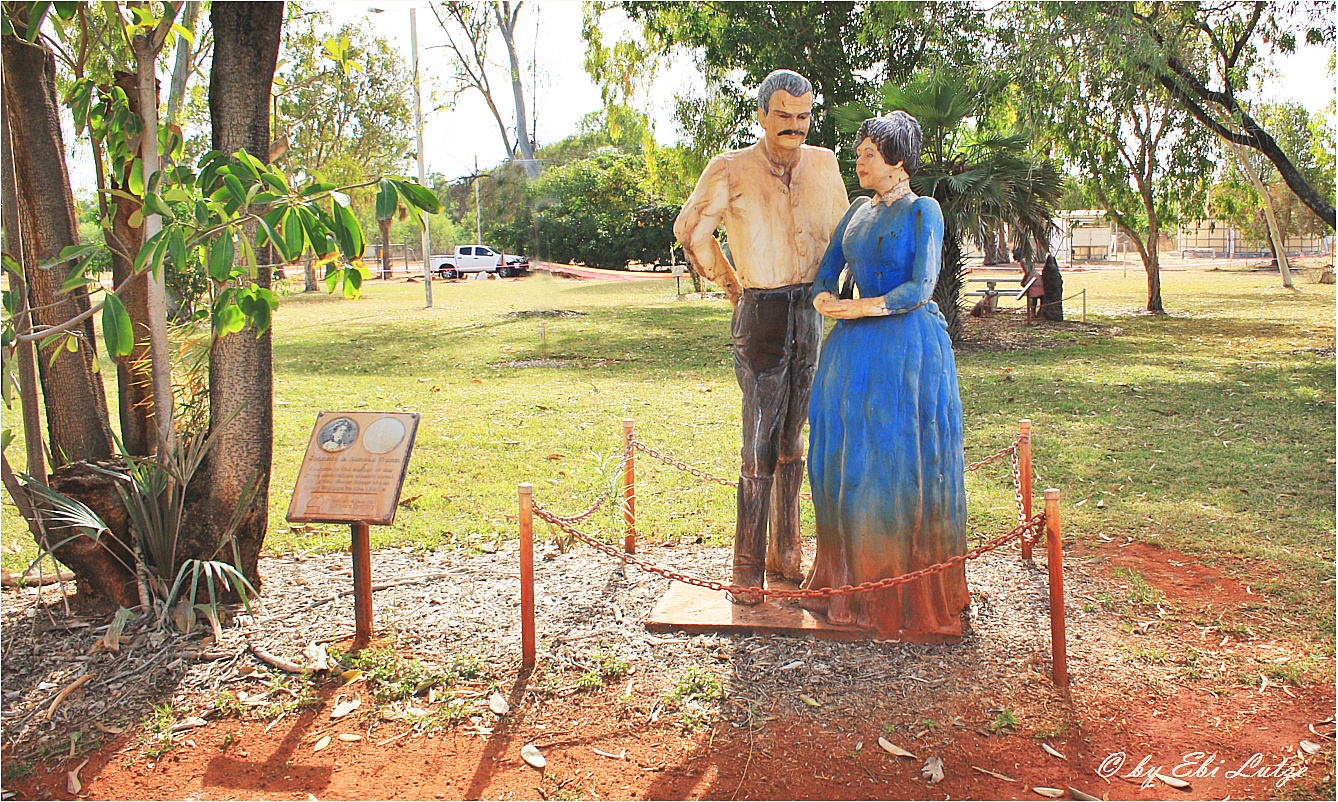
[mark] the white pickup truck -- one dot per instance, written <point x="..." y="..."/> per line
<point x="478" y="259"/>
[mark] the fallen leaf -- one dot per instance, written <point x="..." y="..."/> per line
<point x="622" y="754"/>
<point x="1174" y="782"/>
<point x="321" y="744"/>
<point x="189" y="723"/>
<point x="1101" y="502"/>
<point x="1050" y="750"/>
<point x="318" y="659"/>
<point x="933" y="770"/>
<point x="351" y="676"/>
<point x="1084" y="797"/>
<point x="498" y="704"/>
<point x="788" y="666"/>
<point x="1310" y="747"/>
<point x="109" y="730"/>
<point x="556" y="456"/>
<point x="72" y="783"/>
<point x="994" y="774"/>
<point x="404" y="502"/>
<point x="349" y="737"/>
<point x="894" y="749"/>
<point x="809" y="700"/>
<point x="1053" y="793"/>
<point x="531" y="754"/>
<point x="344" y="705"/>
<point x="312" y="798"/>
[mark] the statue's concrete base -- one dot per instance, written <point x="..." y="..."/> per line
<point x="688" y="608"/>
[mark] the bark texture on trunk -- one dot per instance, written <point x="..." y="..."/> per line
<point x="75" y="403"/>
<point x="134" y="372"/>
<point x="246" y="48"/>
<point x="101" y="567"/>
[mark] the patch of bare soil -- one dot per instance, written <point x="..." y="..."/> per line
<point x="619" y="713"/>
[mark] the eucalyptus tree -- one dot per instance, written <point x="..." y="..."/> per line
<point x="469" y="26"/>
<point x="982" y="178"/>
<point x="1129" y="145"/>
<point x="1205" y="55"/>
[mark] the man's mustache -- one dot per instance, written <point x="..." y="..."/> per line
<point x="793" y="132"/>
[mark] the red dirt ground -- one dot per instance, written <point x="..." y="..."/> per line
<point x="1237" y="741"/>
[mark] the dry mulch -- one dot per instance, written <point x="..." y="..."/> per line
<point x="799" y="718"/>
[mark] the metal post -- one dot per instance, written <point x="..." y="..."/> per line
<point x="527" y="649"/>
<point x="422" y="173"/>
<point x="362" y="585"/>
<point x="629" y="489"/>
<point x="1084" y="304"/>
<point x="1054" y="548"/>
<point x="1024" y="477"/>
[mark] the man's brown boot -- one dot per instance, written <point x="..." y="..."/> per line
<point x="750" y="537"/>
<point x="785" y="551"/>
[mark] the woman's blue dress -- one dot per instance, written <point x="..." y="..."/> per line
<point x="885" y="457"/>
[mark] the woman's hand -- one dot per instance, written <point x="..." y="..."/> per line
<point x="831" y="306"/>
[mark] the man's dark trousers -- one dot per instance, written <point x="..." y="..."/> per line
<point x="776" y="333"/>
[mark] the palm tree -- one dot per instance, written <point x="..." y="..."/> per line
<point x="980" y="179"/>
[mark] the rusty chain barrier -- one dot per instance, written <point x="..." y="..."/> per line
<point x="1027" y="530"/>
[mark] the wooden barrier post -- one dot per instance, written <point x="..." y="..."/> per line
<point x="362" y="585"/>
<point x="1024" y="477"/>
<point x="629" y="489"/>
<point x="1055" y="551"/>
<point x="527" y="649"/>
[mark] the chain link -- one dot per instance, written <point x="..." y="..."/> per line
<point x="1026" y="529"/>
<point x="1036" y="522"/>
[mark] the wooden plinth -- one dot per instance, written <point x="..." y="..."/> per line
<point x="694" y="610"/>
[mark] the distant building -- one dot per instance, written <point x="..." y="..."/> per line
<point x="1083" y="235"/>
<point x="1218" y="239"/>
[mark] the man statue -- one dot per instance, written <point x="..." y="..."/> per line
<point x="779" y="200"/>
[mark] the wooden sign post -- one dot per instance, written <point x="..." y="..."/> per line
<point x="352" y="473"/>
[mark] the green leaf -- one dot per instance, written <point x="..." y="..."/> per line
<point x="66" y="254"/>
<point x="276" y="180"/>
<point x="146" y="250"/>
<point x="332" y="277"/>
<point x="316" y="188"/>
<point x="117" y="329"/>
<point x="250" y="164"/>
<point x="6" y="437"/>
<point x="228" y="319"/>
<point x="76" y="277"/>
<point x="235" y="187"/>
<point x="269" y="225"/>
<point x="135" y="181"/>
<point x="418" y="196"/>
<point x="36" y="13"/>
<point x="221" y="255"/>
<point x="347" y="232"/>
<point x="317" y="234"/>
<point x="294" y="237"/>
<point x="386" y="200"/>
<point x="352" y="282"/>
<point x="155" y="205"/>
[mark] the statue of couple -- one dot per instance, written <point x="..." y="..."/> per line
<point x="885" y="459"/>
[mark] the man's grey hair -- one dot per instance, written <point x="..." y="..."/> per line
<point x="897" y="137"/>
<point x="787" y="81"/>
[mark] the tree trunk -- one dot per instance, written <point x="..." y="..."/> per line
<point x="241" y="381"/>
<point x="948" y="287"/>
<point x="134" y="372"/>
<point x="996" y="246"/>
<point x="506" y="22"/>
<point x="27" y="365"/>
<point x="1152" y="264"/>
<point x="76" y="405"/>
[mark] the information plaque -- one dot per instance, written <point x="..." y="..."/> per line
<point x="354" y="468"/>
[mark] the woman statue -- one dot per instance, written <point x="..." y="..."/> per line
<point x="885" y="457"/>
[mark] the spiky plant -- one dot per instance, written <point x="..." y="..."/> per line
<point x="981" y="179"/>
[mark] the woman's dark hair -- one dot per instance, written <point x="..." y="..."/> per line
<point x="897" y="137"/>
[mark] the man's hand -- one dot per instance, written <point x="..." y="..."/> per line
<point x="831" y="306"/>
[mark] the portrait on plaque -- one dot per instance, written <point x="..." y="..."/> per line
<point x="338" y="434"/>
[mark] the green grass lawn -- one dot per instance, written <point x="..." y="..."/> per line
<point x="1209" y="431"/>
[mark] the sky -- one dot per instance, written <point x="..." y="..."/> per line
<point x="455" y="137"/>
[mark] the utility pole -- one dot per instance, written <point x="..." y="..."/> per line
<point x="422" y="171"/>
